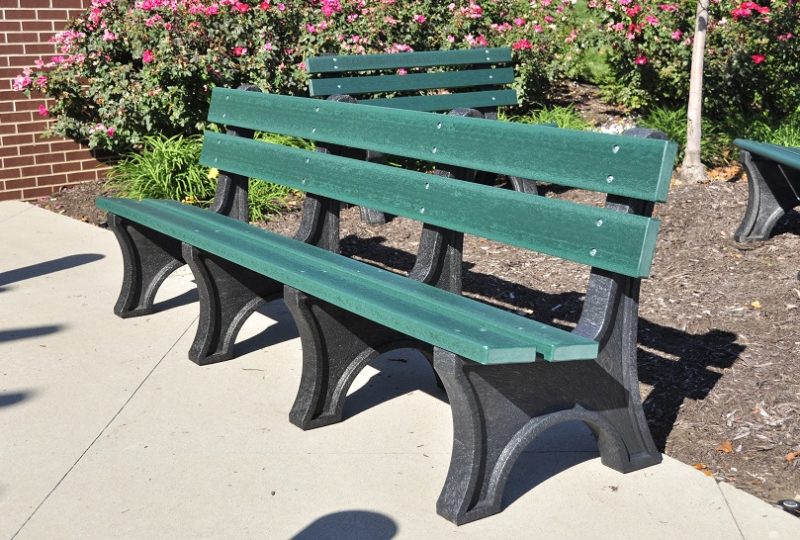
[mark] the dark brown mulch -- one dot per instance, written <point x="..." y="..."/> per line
<point x="719" y="341"/>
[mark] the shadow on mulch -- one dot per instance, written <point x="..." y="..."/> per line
<point x="680" y="373"/>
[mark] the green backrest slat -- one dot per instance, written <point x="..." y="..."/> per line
<point x="447" y="102"/>
<point x="412" y="81"/>
<point x="626" y="166"/>
<point x="785" y="155"/>
<point x="599" y="237"/>
<point x="368" y="62"/>
<point x="380" y="295"/>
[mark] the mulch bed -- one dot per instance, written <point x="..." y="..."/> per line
<point x="719" y="341"/>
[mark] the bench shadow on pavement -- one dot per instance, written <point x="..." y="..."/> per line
<point x="349" y="524"/>
<point x="47" y="267"/>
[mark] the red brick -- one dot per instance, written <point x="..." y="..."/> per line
<point x="51" y="180"/>
<point x="39" y="3"/>
<point x="50" y="157"/>
<point x="17" y="139"/>
<point x="32" y="127"/>
<point x="76" y="155"/>
<point x="6" y="106"/>
<point x="51" y="14"/>
<point x="8" y="151"/>
<point x="19" y="161"/>
<point x="21" y="183"/>
<point x="17" y="117"/>
<point x="13" y="48"/>
<point x="10" y="195"/>
<point x="38" y="192"/>
<point x="8" y="4"/>
<point x="84" y="176"/>
<point x="61" y="144"/>
<point x="40" y="49"/>
<point x="20" y="61"/>
<point x="66" y="167"/>
<point x="37" y="26"/>
<point x="7" y="129"/>
<point x="38" y="148"/>
<point x="20" y="14"/>
<point x="74" y="4"/>
<point x="36" y="170"/>
<point x="29" y="104"/>
<point x="10" y="26"/>
<point x="94" y="164"/>
<point x="6" y="173"/>
<point x="23" y="37"/>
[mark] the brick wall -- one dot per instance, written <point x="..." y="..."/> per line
<point x="30" y="165"/>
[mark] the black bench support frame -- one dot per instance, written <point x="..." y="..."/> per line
<point x="774" y="189"/>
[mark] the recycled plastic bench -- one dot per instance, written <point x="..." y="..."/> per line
<point x="508" y="378"/>
<point x="480" y="82"/>
<point x="774" y="187"/>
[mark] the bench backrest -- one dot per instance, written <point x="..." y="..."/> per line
<point x="476" y="71"/>
<point x="785" y="155"/>
<point x="624" y="167"/>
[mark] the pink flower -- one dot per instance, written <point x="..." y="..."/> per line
<point x="420" y="19"/>
<point x="522" y="44"/>
<point x="213" y="9"/>
<point x="148" y="56"/>
<point x="241" y="7"/>
<point x="519" y="21"/>
<point x="108" y="35"/>
<point x="239" y="51"/>
<point x="111" y="131"/>
<point x="43" y="111"/>
<point x="281" y="7"/>
<point x="402" y="71"/>
<point x="677" y="35"/>
<point x="640" y="60"/>
<point x="758" y="58"/>
<point x="264" y="6"/>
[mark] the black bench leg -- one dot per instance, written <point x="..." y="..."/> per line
<point x="229" y="294"/>
<point x="337" y="344"/>
<point x="772" y="193"/>
<point x="499" y="410"/>
<point x="148" y="257"/>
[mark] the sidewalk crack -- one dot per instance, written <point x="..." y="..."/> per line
<point x="86" y="450"/>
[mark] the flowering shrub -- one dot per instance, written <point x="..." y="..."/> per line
<point x="128" y="69"/>
<point x="752" y="52"/>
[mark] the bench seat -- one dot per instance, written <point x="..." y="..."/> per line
<point x="474" y="330"/>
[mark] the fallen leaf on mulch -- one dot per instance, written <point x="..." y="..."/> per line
<point x="703" y="469"/>
<point x="755" y="304"/>
<point x="723" y="174"/>
<point x="726" y="447"/>
<point x="791" y="456"/>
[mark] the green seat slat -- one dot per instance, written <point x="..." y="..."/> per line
<point x="600" y="237"/>
<point x="477" y="331"/>
<point x="412" y="81"/>
<point x="785" y="155"/>
<point x="447" y="102"/>
<point x="627" y="166"/>
<point x="368" y="62"/>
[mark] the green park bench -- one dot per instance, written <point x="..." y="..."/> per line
<point x="478" y="78"/>
<point x="774" y="187"/>
<point x="508" y="378"/>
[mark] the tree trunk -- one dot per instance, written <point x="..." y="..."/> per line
<point x="692" y="169"/>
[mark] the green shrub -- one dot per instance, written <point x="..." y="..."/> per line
<point x="718" y="134"/>
<point x="127" y="69"/>
<point x="752" y="57"/>
<point x="168" y="168"/>
<point x="563" y="117"/>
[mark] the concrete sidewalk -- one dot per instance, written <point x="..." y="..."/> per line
<point x="108" y="431"/>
